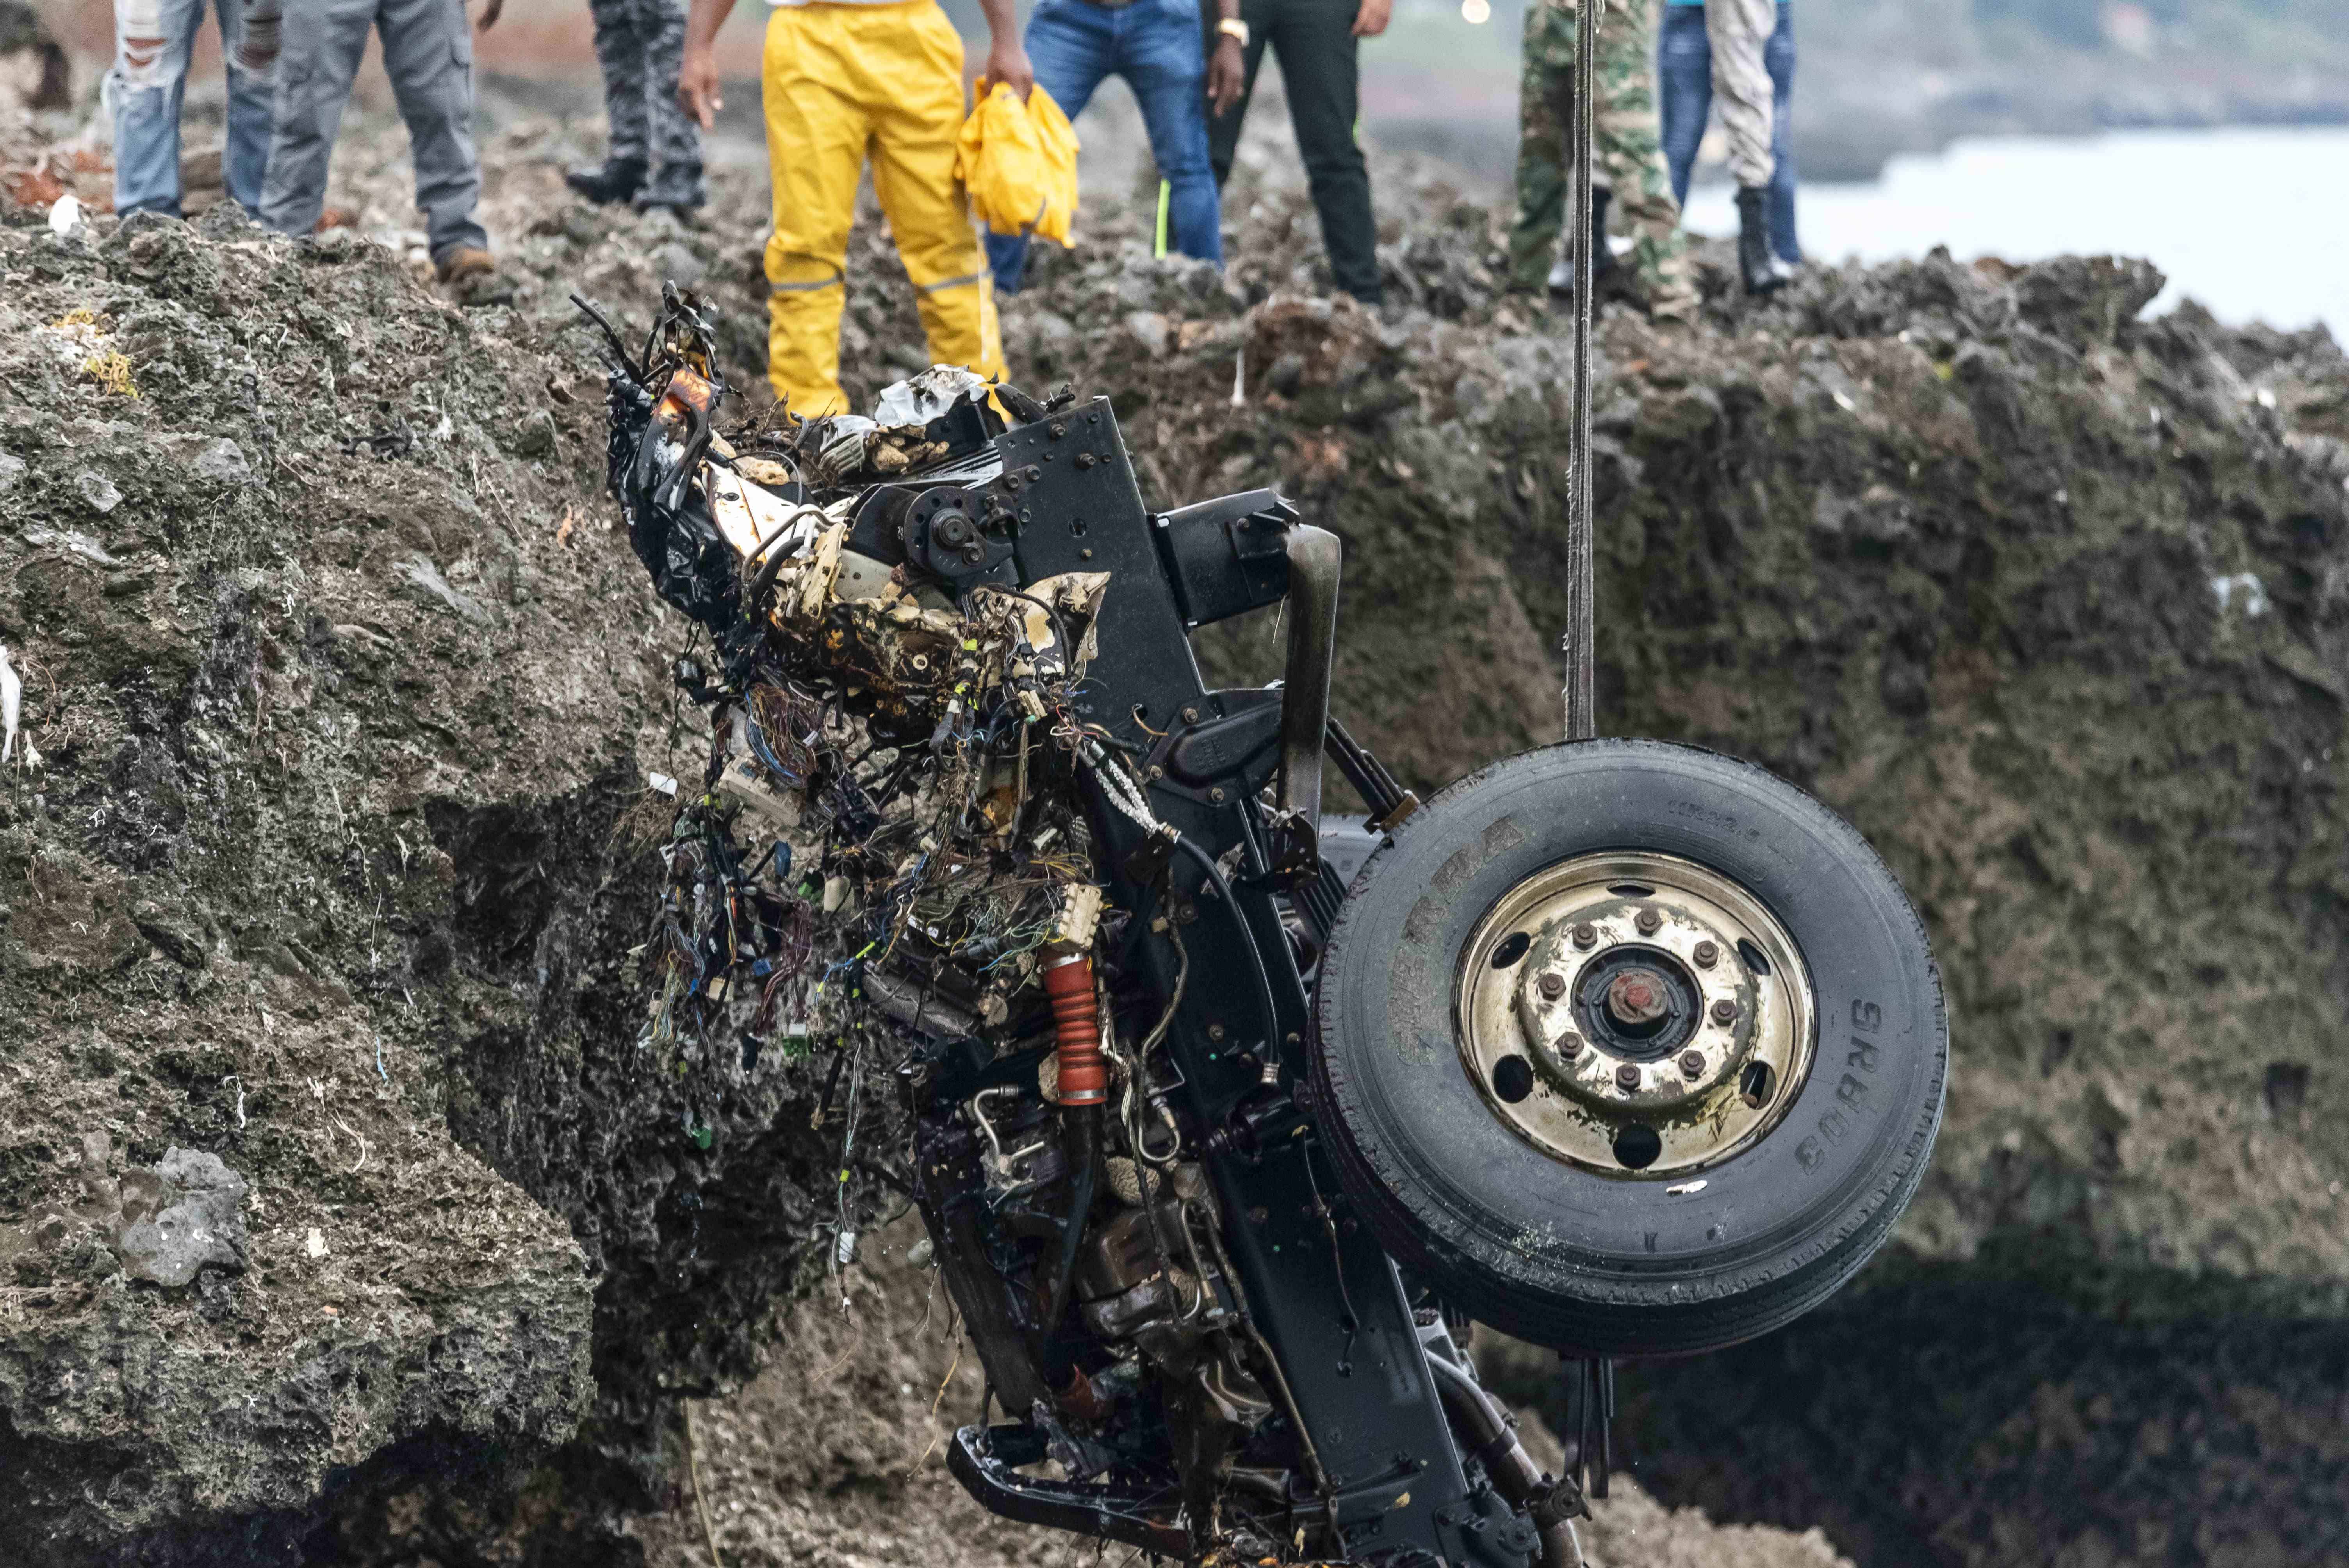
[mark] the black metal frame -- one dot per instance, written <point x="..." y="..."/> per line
<point x="1326" y="1300"/>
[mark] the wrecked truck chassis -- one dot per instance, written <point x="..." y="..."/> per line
<point x="1380" y="1473"/>
<point x="1203" y="1175"/>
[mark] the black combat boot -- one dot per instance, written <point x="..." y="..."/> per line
<point x="1602" y="255"/>
<point x="1765" y="272"/>
<point x="614" y="179"/>
<point x="679" y="187"/>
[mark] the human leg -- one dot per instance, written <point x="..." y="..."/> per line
<point x="1628" y="152"/>
<point x="1161" y="60"/>
<point x="1738" y="31"/>
<point x="1545" y="108"/>
<point x="1224" y="129"/>
<point x="628" y="136"/>
<point x="912" y="175"/>
<point x="1315" y="41"/>
<point x="152" y="39"/>
<point x="249" y="46"/>
<point x="1072" y="46"/>
<point x="1685" y="73"/>
<point x="324" y="40"/>
<point x="816" y="133"/>
<point x="620" y="56"/>
<point x="428" y="53"/>
<point x="675" y="138"/>
<point x="1780" y="55"/>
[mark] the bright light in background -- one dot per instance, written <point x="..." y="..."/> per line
<point x="1475" y="12"/>
<point x="2247" y="220"/>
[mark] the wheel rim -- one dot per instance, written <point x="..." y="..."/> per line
<point x="1635" y="1014"/>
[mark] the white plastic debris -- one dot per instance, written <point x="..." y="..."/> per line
<point x="12" y="701"/>
<point x="918" y="399"/>
<point x="2254" y="593"/>
<point x="65" y="216"/>
<point x="80" y="544"/>
<point x="662" y="782"/>
<point x="315" y="1243"/>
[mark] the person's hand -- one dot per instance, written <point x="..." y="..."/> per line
<point x="1006" y="63"/>
<point x="490" y="15"/>
<point x="696" y="87"/>
<point x="1372" y="19"/>
<point x="1227" y="74"/>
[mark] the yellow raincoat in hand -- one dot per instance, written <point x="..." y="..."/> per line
<point x="1019" y="161"/>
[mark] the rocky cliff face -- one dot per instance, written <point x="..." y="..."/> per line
<point x="330" y="1155"/>
<point x="345" y="699"/>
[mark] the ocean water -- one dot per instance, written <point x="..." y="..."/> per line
<point x="2251" y="222"/>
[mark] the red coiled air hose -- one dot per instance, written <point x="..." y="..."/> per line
<point x="1076" y="1027"/>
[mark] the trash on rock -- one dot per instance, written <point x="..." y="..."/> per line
<point x="184" y="1215"/>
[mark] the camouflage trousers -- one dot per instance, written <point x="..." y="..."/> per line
<point x="1627" y="150"/>
<point x="640" y="43"/>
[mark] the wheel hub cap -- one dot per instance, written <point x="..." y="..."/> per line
<point x="1665" y="1014"/>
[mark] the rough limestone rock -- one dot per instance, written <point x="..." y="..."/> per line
<point x="328" y="1157"/>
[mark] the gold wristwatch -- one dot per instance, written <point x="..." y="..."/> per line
<point x="1233" y="28"/>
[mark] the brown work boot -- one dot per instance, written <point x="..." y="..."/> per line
<point x="471" y="278"/>
<point x="464" y="262"/>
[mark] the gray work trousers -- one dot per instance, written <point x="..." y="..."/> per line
<point x="428" y="54"/>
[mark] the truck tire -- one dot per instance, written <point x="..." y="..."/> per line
<point x="1628" y="1049"/>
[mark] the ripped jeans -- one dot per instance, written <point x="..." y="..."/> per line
<point x="152" y="41"/>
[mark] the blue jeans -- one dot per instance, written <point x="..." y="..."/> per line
<point x="1684" y="66"/>
<point x="152" y="40"/>
<point x="1154" y="46"/>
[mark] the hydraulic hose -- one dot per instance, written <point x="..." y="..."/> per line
<point x="1076" y="1030"/>
<point x="1084" y="1088"/>
<point x="1475" y="1415"/>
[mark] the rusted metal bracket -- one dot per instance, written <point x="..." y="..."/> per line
<point x="1314" y="563"/>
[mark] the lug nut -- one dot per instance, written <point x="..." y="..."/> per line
<point x="1552" y="985"/>
<point x="1586" y="935"/>
<point x="1647" y="920"/>
<point x="1627" y="1077"/>
<point x="1706" y="955"/>
<point x="1725" y="1011"/>
<point x="1569" y="1044"/>
<point x="1691" y="1064"/>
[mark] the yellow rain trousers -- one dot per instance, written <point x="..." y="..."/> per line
<point x="841" y="82"/>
